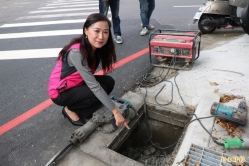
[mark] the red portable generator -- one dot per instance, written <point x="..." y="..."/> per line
<point x="174" y="49"/>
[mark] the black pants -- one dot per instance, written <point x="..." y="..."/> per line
<point x="82" y="100"/>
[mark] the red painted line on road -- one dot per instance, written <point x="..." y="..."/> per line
<point x="25" y="116"/>
<point x="37" y="109"/>
<point x="126" y="60"/>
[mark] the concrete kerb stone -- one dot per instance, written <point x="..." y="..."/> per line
<point x="162" y="98"/>
<point x="77" y="157"/>
<point x="195" y="134"/>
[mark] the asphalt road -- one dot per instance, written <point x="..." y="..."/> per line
<point x="23" y="78"/>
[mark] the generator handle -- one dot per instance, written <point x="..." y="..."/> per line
<point x="174" y="34"/>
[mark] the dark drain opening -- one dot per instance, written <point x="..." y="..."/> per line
<point x="139" y="147"/>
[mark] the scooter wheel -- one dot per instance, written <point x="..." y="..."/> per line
<point x="206" y="29"/>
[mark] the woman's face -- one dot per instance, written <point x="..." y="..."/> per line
<point x="98" y="34"/>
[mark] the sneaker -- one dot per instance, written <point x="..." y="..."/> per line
<point x="150" y="27"/>
<point x="144" y="31"/>
<point x="118" y="39"/>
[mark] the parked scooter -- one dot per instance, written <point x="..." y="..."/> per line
<point x="245" y="19"/>
<point x="216" y="14"/>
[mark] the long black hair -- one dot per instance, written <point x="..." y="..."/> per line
<point x="106" y="53"/>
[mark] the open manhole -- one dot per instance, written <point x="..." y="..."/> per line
<point x="151" y="141"/>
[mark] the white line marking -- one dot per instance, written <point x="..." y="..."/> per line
<point x="44" y="23"/>
<point x="63" y="10"/>
<point x="70" y="3"/>
<point x="27" y="54"/>
<point x="93" y="4"/>
<point x="55" y="15"/>
<point x="22" y="3"/>
<point x="41" y="33"/>
<point x="189" y="6"/>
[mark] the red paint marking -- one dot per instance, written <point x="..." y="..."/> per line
<point x="126" y="60"/>
<point x="25" y="116"/>
<point x="32" y="112"/>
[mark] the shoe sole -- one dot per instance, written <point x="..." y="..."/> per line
<point x="143" y="34"/>
<point x="118" y="42"/>
<point x="148" y="27"/>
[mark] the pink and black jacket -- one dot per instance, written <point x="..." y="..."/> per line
<point x="63" y="76"/>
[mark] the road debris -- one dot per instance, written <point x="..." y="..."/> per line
<point x="191" y="108"/>
<point x="216" y="90"/>
<point x="213" y="83"/>
<point x="232" y="129"/>
<point x="227" y="98"/>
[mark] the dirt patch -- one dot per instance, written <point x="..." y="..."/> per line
<point x="227" y="98"/>
<point x="232" y="129"/>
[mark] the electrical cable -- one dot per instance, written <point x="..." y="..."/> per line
<point x="160" y="92"/>
<point x="149" y="132"/>
<point x="146" y="80"/>
<point x="198" y="48"/>
<point x="172" y="61"/>
<point x="187" y="111"/>
<point x="184" y="128"/>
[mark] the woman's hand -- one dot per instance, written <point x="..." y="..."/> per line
<point x="120" y="120"/>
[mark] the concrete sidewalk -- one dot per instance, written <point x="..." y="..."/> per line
<point x="218" y="71"/>
<point x="223" y="70"/>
